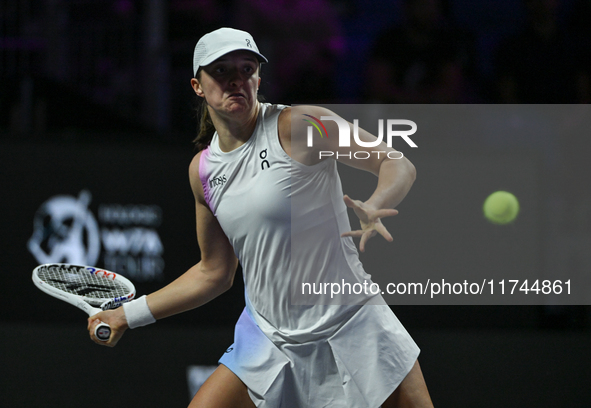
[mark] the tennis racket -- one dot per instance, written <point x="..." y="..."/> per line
<point x="88" y="288"/>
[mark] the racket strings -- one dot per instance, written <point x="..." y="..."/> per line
<point x="81" y="282"/>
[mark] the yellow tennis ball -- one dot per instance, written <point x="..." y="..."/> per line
<point x="501" y="207"/>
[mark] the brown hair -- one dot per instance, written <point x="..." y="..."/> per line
<point x="205" y="128"/>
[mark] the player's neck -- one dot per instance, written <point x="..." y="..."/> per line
<point x="234" y="132"/>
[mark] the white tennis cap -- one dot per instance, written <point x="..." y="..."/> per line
<point x="220" y="42"/>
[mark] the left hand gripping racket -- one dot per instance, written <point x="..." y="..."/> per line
<point x="88" y="288"/>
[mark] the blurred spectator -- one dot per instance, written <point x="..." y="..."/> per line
<point x="423" y="60"/>
<point x="539" y="64"/>
<point x="302" y="39"/>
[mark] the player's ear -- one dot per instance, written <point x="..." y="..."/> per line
<point x="196" y="85"/>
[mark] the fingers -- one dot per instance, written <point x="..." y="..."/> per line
<point x="93" y="322"/>
<point x="387" y="212"/>
<point x="370" y="221"/>
<point x="381" y="229"/>
<point x="354" y="234"/>
<point x="349" y="202"/>
<point x="370" y="211"/>
<point x="364" y="238"/>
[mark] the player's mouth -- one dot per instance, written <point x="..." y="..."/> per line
<point x="237" y="95"/>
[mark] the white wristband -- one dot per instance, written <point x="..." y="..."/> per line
<point x="138" y="313"/>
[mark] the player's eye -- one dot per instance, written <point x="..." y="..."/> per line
<point x="249" y="69"/>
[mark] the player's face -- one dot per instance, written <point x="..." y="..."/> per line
<point x="230" y="83"/>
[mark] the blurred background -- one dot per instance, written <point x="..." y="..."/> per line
<point x="97" y="119"/>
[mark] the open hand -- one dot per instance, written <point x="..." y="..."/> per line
<point x="370" y="221"/>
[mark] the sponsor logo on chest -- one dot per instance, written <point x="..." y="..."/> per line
<point x="217" y="181"/>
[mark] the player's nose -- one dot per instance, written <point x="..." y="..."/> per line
<point x="236" y="79"/>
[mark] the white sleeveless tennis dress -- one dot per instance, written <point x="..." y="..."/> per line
<point x="299" y="355"/>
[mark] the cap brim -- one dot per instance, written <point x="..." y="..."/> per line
<point x="220" y="53"/>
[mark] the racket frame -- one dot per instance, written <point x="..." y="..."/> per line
<point x="102" y="330"/>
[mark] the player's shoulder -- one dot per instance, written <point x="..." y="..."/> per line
<point x="194" y="165"/>
<point x="290" y="115"/>
<point x="195" y="176"/>
<point x="284" y="120"/>
<point x="311" y="110"/>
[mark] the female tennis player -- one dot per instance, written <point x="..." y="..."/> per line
<point x="268" y="200"/>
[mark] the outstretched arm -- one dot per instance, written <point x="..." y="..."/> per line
<point x="395" y="178"/>
<point x="395" y="175"/>
<point x="209" y="278"/>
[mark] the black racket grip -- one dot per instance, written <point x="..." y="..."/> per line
<point x="103" y="332"/>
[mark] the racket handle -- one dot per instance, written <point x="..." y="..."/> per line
<point x="102" y="331"/>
